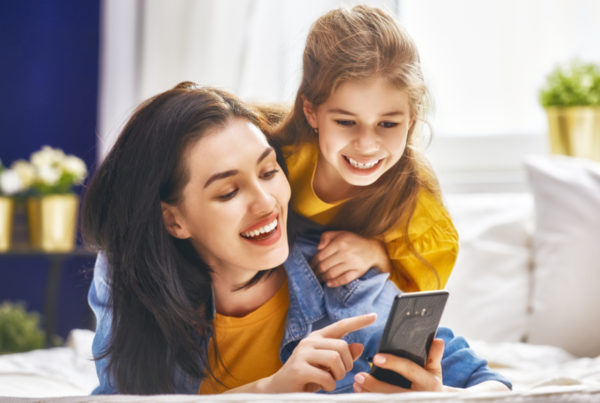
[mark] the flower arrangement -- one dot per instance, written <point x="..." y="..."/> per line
<point x="575" y="84"/>
<point x="50" y="171"/>
<point x="10" y="181"/>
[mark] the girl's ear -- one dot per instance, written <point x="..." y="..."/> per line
<point x="309" y="112"/>
<point x="173" y="223"/>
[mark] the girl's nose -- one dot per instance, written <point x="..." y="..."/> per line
<point x="366" y="141"/>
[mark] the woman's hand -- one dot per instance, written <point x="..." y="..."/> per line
<point x="428" y="378"/>
<point x="319" y="360"/>
<point x="345" y="256"/>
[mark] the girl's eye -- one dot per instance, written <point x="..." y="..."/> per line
<point x="388" y="125"/>
<point x="269" y="174"/>
<point x="228" y="196"/>
<point x="342" y="122"/>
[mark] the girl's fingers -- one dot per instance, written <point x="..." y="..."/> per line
<point x="326" y="238"/>
<point x="343" y="279"/>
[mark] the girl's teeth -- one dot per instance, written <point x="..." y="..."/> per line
<point x="262" y="230"/>
<point x="360" y="165"/>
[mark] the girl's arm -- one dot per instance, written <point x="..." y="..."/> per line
<point x="345" y="256"/>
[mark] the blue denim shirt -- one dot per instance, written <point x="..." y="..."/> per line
<point x="313" y="306"/>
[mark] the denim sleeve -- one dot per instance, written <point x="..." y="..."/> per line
<point x="461" y="367"/>
<point x="98" y="299"/>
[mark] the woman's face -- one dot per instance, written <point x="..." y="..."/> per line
<point x="234" y="207"/>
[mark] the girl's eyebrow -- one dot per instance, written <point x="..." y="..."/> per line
<point x="345" y="112"/>
<point x="232" y="172"/>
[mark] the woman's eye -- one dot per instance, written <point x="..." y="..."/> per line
<point x="388" y="125"/>
<point x="270" y="174"/>
<point x="342" y="122"/>
<point x="228" y="196"/>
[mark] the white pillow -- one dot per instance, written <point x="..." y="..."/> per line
<point x="566" y="280"/>
<point x="489" y="286"/>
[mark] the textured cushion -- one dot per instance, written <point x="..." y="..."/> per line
<point x="566" y="280"/>
<point x="489" y="285"/>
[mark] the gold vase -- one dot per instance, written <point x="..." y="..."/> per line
<point x="575" y="131"/>
<point x="53" y="222"/>
<point x="7" y="207"/>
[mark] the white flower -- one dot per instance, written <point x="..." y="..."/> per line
<point x="47" y="156"/>
<point x="10" y="182"/>
<point x="75" y="166"/>
<point x="48" y="174"/>
<point x="25" y="170"/>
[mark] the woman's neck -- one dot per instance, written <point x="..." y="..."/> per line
<point x="230" y="300"/>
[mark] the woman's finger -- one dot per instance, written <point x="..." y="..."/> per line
<point x="338" y="346"/>
<point x="342" y="327"/>
<point x="364" y="382"/>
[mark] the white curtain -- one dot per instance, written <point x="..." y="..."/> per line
<point x="250" y="47"/>
<point x="484" y="61"/>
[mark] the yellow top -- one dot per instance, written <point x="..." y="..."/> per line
<point x="248" y="346"/>
<point x="430" y="230"/>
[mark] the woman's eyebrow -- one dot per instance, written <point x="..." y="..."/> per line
<point x="265" y="154"/>
<point x="221" y="175"/>
<point x="232" y="172"/>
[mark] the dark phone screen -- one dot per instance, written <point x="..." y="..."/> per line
<point x="409" y="331"/>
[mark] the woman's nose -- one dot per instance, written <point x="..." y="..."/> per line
<point x="262" y="200"/>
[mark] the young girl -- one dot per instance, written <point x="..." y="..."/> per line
<point x="197" y="288"/>
<point x="350" y="144"/>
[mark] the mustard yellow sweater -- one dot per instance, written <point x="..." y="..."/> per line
<point x="430" y="230"/>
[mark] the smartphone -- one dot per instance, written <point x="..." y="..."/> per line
<point x="409" y="330"/>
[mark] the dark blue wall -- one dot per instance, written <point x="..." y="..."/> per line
<point x="49" y="87"/>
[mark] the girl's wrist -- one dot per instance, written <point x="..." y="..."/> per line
<point x="382" y="260"/>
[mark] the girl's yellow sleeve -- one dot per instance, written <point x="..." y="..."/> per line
<point x="433" y="237"/>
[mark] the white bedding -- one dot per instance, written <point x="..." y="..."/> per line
<point x="539" y="373"/>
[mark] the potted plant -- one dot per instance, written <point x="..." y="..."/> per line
<point x="11" y="186"/>
<point x="19" y="330"/>
<point x="52" y="204"/>
<point x="571" y="98"/>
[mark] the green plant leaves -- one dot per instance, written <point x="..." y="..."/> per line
<point x="577" y="84"/>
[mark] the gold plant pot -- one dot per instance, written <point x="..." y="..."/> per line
<point x="52" y="222"/>
<point x="575" y="131"/>
<point x="7" y="207"/>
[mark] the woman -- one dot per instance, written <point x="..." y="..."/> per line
<point x="197" y="289"/>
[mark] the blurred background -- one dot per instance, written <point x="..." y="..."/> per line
<point x="73" y="72"/>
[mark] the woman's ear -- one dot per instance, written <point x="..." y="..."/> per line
<point x="309" y="112"/>
<point x="172" y="221"/>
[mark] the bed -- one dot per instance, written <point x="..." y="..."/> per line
<point x="524" y="293"/>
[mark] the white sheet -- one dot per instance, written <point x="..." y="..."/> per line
<point x="539" y="374"/>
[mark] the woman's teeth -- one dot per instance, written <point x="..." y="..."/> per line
<point x="360" y="165"/>
<point x="261" y="231"/>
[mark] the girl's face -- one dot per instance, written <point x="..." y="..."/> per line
<point x="363" y="127"/>
<point x="234" y="207"/>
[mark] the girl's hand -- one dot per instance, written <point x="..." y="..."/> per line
<point x="320" y="359"/>
<point x="345" y="256"/>
<point x="423" y="379"/>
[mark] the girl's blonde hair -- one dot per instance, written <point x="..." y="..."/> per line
<point x="358" y="44"/>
